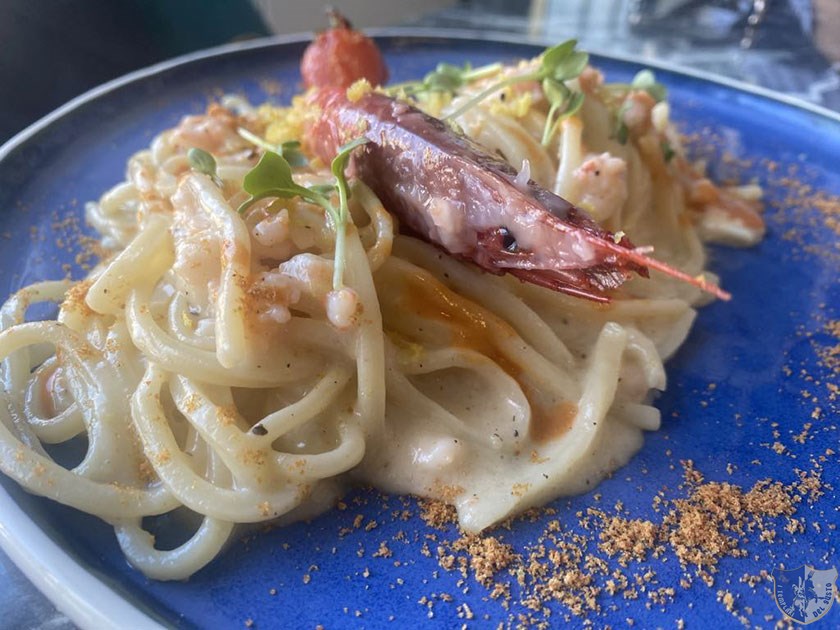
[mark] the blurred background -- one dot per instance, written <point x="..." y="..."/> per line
<point x="54" y="50"/>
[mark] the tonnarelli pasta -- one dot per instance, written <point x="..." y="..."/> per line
<point x="264" y="333"/>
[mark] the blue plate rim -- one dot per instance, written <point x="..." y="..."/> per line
<point x="60" y="577"/>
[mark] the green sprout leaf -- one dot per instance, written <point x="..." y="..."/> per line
<point x="203" y="162"/>
<point x="574" y="104"/>
<point x="446" y="78"/>
<point x="272" y="177"/>
<point x="294" y="156"/>
<point x="562" y="62"/>
<point x="646" y="80"/>
<point x="557" y="55"/>
<point x="558" y="64"/>
<point x="555" y="91"/>
<point x="563" y="103"/>
<point x="272" y="172"/>
<point x="568" y="67"/>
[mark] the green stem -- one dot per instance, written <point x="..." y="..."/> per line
<point x="413" y="87"/>
<point x="320" y="200"/>
<point x="338" y="263"/>
<point x="488" y="91"/>
<point x="482" y="71"/>
<point x="409" y="87"/>
<point x="340" y="233"/>
<point x="548" y="129"/>
<point x="260" y="142"/>
<point x="326" y="204"/>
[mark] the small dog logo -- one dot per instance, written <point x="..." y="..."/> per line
<point x="804" y="594"/>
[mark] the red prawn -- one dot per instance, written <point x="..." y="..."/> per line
<point x="453" y="193"/>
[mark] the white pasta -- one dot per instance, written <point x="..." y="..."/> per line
<point x="212" y="368"/>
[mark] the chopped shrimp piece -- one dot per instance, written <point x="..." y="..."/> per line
<point x="273" y="293"/>
<point x="197" y="250"/>
<point x="312" y="274"/>
<point x="725" y="216"/>
<point x="602" y="183"/>
<point x="590" y="80"/>
<point x="637" y="111"/>
<point x="214" y="132"/>
<point x="732" y="220"/>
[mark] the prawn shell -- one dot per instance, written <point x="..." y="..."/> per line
<point x="450" y="191"/>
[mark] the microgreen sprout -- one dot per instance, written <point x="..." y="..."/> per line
<point x="203" y="162"/>
<point x="337" y="167"/>
<point x="557" y="64"/>
<point x="446" y="77"/>
<point x="645" y="81"/>
<point x="563" y="103"/>
<point x="272" y="177"/>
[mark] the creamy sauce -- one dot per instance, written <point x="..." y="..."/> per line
<point x="548" y="425"/>
<point x="478" y="330"/>
<point x="469" y="326"/>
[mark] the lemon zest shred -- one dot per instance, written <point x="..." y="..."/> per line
<point x="358" y="90"/>
<point x="283" y="124"/>
<point x="515" y="106"/>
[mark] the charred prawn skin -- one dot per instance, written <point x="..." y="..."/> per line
<point x="472" y="204"/>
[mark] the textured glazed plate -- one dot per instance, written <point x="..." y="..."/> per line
<point x="752" y="374"/>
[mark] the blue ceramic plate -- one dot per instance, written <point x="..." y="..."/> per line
<point x="752" y="374"/>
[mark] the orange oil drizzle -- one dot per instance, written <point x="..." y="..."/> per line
<point x="472" y="327"/>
